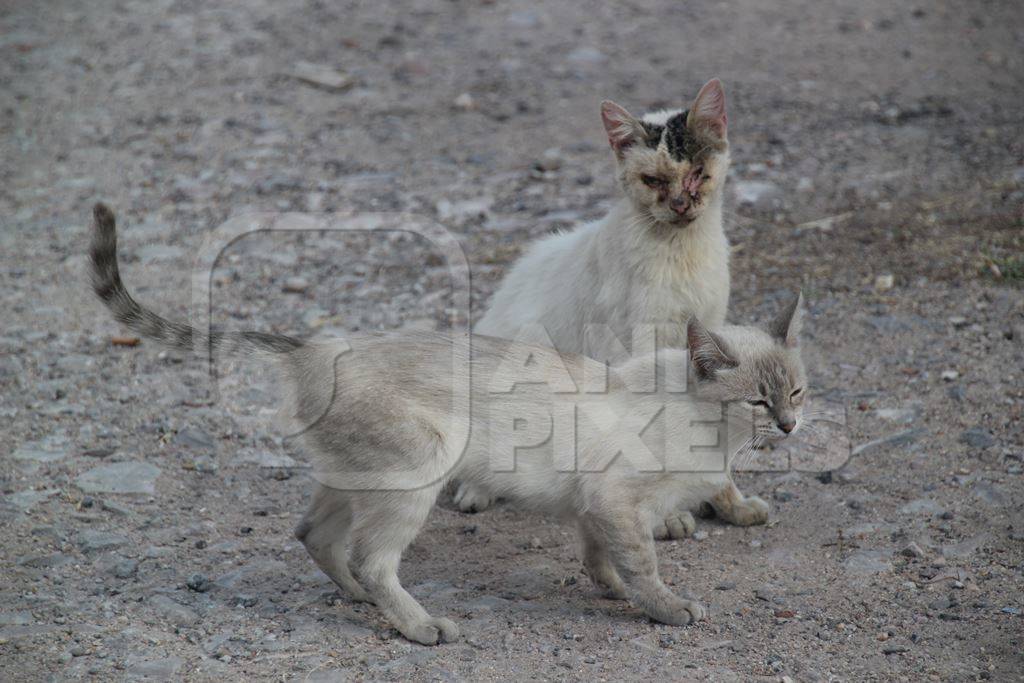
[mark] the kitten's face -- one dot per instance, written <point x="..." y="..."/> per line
<point x="672" y="164"/>
<point x="762" y="371"/>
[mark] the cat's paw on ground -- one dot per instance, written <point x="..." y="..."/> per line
<point x="750" y="511"/>
<point x="469" y="499"/>
<point x="679" y="524"/>
<point x="431" y="631"/>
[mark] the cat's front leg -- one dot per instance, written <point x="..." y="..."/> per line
<point x="598" y="564"/>
<point x="630" y="547"/>
<point x="731" y="505"/>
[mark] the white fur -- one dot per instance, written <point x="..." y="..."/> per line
<point x="620" y="271"/>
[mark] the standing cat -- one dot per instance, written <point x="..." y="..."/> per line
<point x="659" y="257"/>
<point x="382" y="405"/>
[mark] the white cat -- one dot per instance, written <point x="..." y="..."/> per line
<point x="659" y="257"/>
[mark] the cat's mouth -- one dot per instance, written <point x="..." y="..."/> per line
<point x="683" y="220"/>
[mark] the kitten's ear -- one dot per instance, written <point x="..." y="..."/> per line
<point x="708" y="351"/>
<point x="786" y="327"/>
<point x="709" y="109"/>
<point x="623" y="130"/>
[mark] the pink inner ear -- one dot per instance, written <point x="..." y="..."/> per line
<point x="709" y="106"/>
<point x="616" y="124"/>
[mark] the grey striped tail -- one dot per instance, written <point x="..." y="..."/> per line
<point x="106" y="282"/>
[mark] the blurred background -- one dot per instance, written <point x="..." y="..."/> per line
<point x="878" y="163"/>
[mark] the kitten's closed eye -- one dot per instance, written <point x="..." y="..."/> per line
<point x="653" y="181"/>
<point x="758" y="404"/>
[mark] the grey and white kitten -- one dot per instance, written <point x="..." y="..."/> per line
<point x="382" y="420"/>
<point x="658" y="258"/>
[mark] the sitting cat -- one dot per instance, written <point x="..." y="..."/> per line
<point x="660" y="257"/>
<point x="382" y="420"/>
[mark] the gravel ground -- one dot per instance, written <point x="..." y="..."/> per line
<point x="878" y="164"/>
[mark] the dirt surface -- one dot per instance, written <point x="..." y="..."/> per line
<point x="869" y="140"/>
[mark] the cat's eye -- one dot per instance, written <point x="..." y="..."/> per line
<point x="797" y="392"/>
<point x="653" y="181"/>
<point x="758" y="404"/>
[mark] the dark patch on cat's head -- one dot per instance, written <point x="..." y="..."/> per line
<point x="679" y="140"/>
<point x="652" y="134"/>
<point x="682" y="142"/>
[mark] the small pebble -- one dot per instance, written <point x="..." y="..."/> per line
<point x="465" y="102"/>
<point x="199" y="583"/>
<point x="295" y="285"/>
<point x="912" y="550"/>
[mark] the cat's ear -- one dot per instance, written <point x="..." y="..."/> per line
<point x="708" y="109"/>
<point x="786" y="327"/>
<point x="708" y="352"/>
<point x="623" y="130"/>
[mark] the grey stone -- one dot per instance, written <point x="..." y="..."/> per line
<point x="295" y="285"/>
<point x="45" y="561"/>
<point x="905" y="415"/>
<point x="964" y="548"/>
<point x="254" y="568"/>
<point x="15" y="618"/>
<point x="524" y="19"/>
<point x="125" y="569"/>
<point x="977" y="438"/>
<point x="587" y="56"/>
<point x="94" y="541"/>
<point x="46" y="450"/>
<point x="199" y="583"/>
<point x="173" y="611"/>
<point x="26" y="500"/>
<point x="244" y="600"/>
<point x="120" y="477"/>
<point x="155" y="669"/>
<point x="912" y="550"/>
<point x="760" y="194"/>
<point x="866" y="562"/>
<point x="921" y="505"/>
<point x="264" y="459"/>
<point x="464" y="210"/>
<point x="322" y="76"/>
<point x="551" y="160"/>
<point x="194" y="437"/>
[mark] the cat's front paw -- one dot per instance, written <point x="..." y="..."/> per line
<point x="749" y="512"/>
<point x="679" y="524"/>
<point x="431" y="631"/>
<point x="685" y="612"/>
<point x="469" y="499"/>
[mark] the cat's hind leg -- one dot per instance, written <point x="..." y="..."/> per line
<point x="731" y="505"/>
<point x="324" y="530"/>
<point x="385" y="522"/>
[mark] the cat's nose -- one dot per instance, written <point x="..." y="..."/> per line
<point x="679" y="204"/>
<point x="787" y="426"/>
